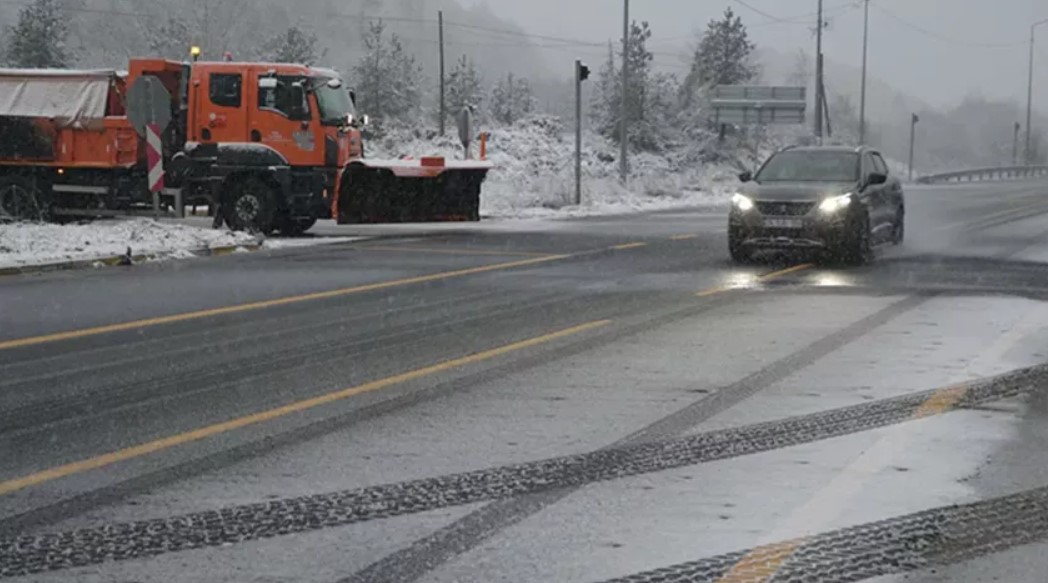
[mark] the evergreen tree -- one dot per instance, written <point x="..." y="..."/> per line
<point x="511" y="100"/>
<point x="723" y="57"/>
<point x="464" y="87"/>
<point x="38" y="40"/>
<point x="650" y="97"/>
<point x="387" y="77"/>
<point x="294" y="45"/>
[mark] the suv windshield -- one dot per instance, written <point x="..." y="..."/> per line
<point x="811" y="166"/>
<point x="333" y="101"/>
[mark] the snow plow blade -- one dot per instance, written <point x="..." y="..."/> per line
<point x="411" y="191"/>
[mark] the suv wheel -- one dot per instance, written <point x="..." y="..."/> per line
<point x="858" y="249"/>
<point x="739" y="254"/>
<point x="899" y="227"/>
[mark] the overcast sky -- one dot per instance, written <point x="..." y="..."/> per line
<point x="937" y="50"/>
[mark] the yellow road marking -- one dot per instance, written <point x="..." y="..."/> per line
<point x="297" y="407"/>
<point x="787" y="271"/>
<point x="683" y="237"/>
<point x="990" y="220"/>
<point x="941" y="402"/>
<point x="712" y="292"/>
<point x="625" y="246"/>
<point x="450" y="251"/>
<point x="761" y="563"/>
<point x="187" y="316"/>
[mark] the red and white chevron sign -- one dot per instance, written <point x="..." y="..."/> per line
<point x="154" y="158"/>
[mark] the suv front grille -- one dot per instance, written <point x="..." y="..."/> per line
<point x="785" y="209"/>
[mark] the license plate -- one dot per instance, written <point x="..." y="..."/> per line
<point x="775" y="223"/>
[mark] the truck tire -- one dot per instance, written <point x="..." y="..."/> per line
<point x="294" y="227"/>
<point x="20" y="200"/>
<point x="251" y="207"/>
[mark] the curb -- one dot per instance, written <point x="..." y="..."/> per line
<point x="117" y="260"/>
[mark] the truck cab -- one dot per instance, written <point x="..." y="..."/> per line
<point x="287" y="128"/>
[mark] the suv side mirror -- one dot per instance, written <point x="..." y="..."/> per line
<point x="746" y="176"/>
<point x="877" y="178"/>
<point x="297" y="109"/>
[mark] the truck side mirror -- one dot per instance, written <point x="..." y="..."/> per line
<point x="746" y="176"/>
<point x="353" y="97"/>
<point x="298" y="109"/>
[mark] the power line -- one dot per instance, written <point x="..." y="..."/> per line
<point x="941" y="37"/>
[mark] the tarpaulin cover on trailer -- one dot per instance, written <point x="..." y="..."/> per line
<point x="68" y="97"/>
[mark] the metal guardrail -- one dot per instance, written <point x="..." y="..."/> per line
<point x="984" y="174"/>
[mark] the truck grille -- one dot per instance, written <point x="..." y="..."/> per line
<point x="785" y="209"/>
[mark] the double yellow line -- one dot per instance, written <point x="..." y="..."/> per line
<point x="126" y="454"/>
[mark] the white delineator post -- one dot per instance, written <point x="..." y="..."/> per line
<point x="155" y="164"/>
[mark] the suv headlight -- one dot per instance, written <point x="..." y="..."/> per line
<point x="836" y="204"/>
<point x="743" y="203"/>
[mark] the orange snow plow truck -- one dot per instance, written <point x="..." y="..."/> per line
<point x="272" y="147"/>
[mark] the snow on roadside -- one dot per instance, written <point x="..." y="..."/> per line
<point x="534" y="172"/>
<point x="24" y="244"/>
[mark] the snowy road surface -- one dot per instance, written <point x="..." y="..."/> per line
<point x="581" y="400"/>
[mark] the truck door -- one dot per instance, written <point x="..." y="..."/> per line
<point x="222" y="116"/>
<point x="282" y="118"/>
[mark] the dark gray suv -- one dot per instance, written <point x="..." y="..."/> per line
<point x="838" y="201"/>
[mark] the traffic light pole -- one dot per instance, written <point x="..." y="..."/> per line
<point x="818" y="76"/>
<point x="623" y="113"/>
<point x="578" y="133"/>
<point x="443" y="103"/>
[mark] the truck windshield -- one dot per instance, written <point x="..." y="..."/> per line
<point x="333" y="101"/>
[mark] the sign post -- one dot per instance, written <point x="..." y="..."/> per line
<point x="465" y="129"/>
<point x="149" y="111"/>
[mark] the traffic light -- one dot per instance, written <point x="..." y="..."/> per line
<point x="583" y="72"/>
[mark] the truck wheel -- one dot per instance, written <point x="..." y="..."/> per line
<point x="295" y="227"/>
<point x="20" y="200"/>
<point x="251" y="207"/>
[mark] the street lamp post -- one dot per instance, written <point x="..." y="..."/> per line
<point x="1015" y="144"/>
<point x="914" y="119"/>
<point x="1029" y="92"/>
<point x="862" y="93"/>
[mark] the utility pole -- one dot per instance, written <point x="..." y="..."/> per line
<point x="1029" y="93"/>
<point x="623" y="123"/>
<point x="582" y="73"/>
<point x="443" y="104"/>
<point x="913" y="135"/>
<point x="818" y="76"/>
<point x="862" y="95"/>
<point x="1015" y="144"/>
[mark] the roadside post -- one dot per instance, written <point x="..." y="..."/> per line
<point x="465" y="129"/>
<point x="149" y="111"/>
<point x="582" y="73"/>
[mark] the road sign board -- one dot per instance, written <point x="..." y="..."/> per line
<point x="759" y="105"/>
<point x="148" y="102"/>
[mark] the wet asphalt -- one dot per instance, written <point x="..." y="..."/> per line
<point x="165" y="390"/>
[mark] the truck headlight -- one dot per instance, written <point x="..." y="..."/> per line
<point x="836" y="204"/>
<point x="743" y="203"/>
